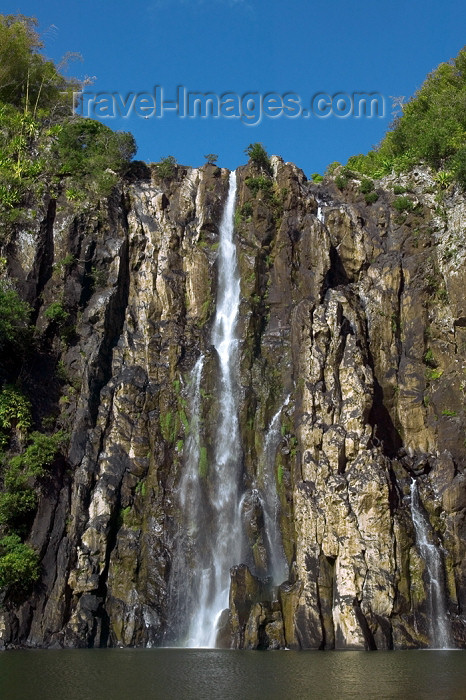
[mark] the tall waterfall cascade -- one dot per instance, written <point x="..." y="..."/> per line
<point x="439" y="627"/>
<point x="211" y="513"/>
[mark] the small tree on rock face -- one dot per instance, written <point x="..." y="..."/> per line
<point x="211" y="158"/>
<point x="166" y="168"/>
<point x="258" y="155"/>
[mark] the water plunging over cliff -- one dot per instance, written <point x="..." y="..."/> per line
<point x="222" y="549"/>
<point x="440" y="637"/>
<point x="271" y="504"/>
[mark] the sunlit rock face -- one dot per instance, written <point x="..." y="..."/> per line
<point x="351" y="336"/>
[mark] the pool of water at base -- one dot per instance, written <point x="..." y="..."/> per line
<point x="202" y="674"/>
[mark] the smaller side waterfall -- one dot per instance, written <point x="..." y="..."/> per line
<point x="439" y="628"/>
<point x="270" y="500"/>
<point x="184" y="584"/>
<point x="189" y="485"/>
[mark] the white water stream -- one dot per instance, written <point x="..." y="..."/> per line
<point x="439" y="628"/>
<point x="225" y="539"/>
<point x="270" y="501"/>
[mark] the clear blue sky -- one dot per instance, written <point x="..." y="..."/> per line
<point x="261" y="46"/>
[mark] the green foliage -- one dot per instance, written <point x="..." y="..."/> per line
<point x="184" y="419"/>
<point x="341" y="182"/>
<point x="141" y="489"/>
<point x="92" y="155"/>
<point x="371" y="197"/>
<point x="280" y="472"/>
<point x="98" y="277"/>
<point x="41" y="146"/>
<point x="39" y="456"/>
<point x="449" y="413"/>
<point x="18" y="498"/>
<point x="259" y="156"/>
<point x="211" y="158"/>
<point x="315" y="177"/>
<point x="444" y="178"/>
<point x="246" y="210"/>
<point x="429" y="359"/>
<point x="14" y="315"/>
<point x="332" y="167"/>
<point x="19" y="563"/>
<point x="259" y="183"/>
<point x="15" y="413"/>
<point x="27" y="80"/>
<point x="55" y="312"/>
<point x="16" y="504"/>
<point x="203" y="463"/>
<point x="399" y="189"/>
<point x="366" y="186"/>
<point x="432" y="128"/>
<point x="348" y="173"/>
<point x="403" y="204"/>
<point x="433" y="374"/>
<point x="166" y="169"/>
<point x="166" y="426"/>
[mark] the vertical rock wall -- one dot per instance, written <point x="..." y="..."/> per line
<point x="355" y="311"/>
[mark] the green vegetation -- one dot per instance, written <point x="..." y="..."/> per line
<point x="166" y="169"/>
<point x="14" y="315"/>
<point x="19" y="563"/>
<point x="56" y="312"/>
<point x="366" y="186"/>
<point x="449" y="413"/>
<point x="433" y="374"/>
<point x="261" y="183"/>
<point x="45" y="152"/>
<point x="43" y="147"/>
<point x="166" y="427"/>
<point x="315" y="177"/>
<point x="203" y="463"/>
<point x="19" y="497"/>
<point x="90" y="152"/>
<point x="432" y="129"/>
<point x="211" y="158"/>
<point x="246" y="210"/>
<point x="341" y="182"/>
<point x="15" y="413"/>
<point x="371" y="197"/>
<point x="280" y="472"/>
<point x="403" y="204"/>
<point x="429" y="359"/>
<point x="40" y="454"/>
<point x="259" y="156"/>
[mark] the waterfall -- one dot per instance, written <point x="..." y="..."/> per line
<point x="270" y="500"/>
<point x="184" y="584"/>
<point x="439" y="628"/>
<point x="189" y="486"/>
<point x="222" y="549"/>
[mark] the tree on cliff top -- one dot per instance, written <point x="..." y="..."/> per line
<point x="41" y="141"/>
<point x="432" y="128"/>
<point x="27" y="79"/>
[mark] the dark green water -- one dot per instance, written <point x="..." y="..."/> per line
<point x="133" y="674"/>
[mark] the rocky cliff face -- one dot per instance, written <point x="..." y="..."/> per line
<point x="354" y="311"/>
